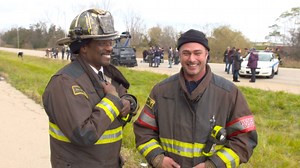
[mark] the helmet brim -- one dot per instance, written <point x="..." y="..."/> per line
<point x="68" y="40"/>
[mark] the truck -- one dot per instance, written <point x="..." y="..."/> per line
<point x="123" y="54"/>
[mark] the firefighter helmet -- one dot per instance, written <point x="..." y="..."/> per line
<point x="92" y="23"/>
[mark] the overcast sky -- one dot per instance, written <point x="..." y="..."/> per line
<point x="251" y="17"/>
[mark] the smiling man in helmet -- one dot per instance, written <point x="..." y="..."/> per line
<point x="87" y="101"/>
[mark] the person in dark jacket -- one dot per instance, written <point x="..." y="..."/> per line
<point x="237" y="60"/>
<point x="87" y="101"/>
<point x="225" y="59"/>
<point x="230" y="60"/>
<point x="252" y="63"/>
<point x="182" y="112"/>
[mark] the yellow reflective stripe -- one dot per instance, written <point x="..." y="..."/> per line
<point x="109" y="108"/>
<point x="111" y="136"/>
<point x="185" y="149"/>
<point x="229" y="157"/>
<point x="147" y="147"/>
<point x="56" y="133"/>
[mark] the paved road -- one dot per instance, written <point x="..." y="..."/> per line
<point x="287" y="80"/>
<point x="24" y="131"/>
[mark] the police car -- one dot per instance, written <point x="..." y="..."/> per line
<point x="267" y="65"/>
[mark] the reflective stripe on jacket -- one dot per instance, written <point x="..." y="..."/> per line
<point x="109" y="136"/>
<point x="85" y="130"/>
<point x="177" y="124"/>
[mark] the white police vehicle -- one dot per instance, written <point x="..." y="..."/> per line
<point x="267" y="65"/>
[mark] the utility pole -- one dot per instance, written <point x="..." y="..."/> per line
<point x="18" y="41"/>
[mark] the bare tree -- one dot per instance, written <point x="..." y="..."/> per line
<point x="134" y="25"/>
<point x="168" y="37"/>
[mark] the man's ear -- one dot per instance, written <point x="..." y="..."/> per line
<point x="83" y="49"/>
<point x="207" y="57"/>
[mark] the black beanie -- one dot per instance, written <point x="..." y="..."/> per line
<point x="193" y="36"/>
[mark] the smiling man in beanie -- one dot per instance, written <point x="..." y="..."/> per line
<point x="195" y="118"/>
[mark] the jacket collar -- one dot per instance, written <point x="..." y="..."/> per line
<point x="199" y="90"/>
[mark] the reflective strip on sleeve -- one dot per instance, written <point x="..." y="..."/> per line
<point x="147" y="147"/>
<point x="109" y="108"/>
<point x="109" y="136"/>
<point x="229" y="157"/>
<point x="147" y="119"/>
<point x="184" y="149"/>
<point x="240" y="125"/>
<point x="56" y="133"/>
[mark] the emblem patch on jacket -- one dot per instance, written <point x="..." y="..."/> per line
<point x="77" y="91"/>
<point x="150" y="102"/>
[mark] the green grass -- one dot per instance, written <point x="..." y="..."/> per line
<point x="276" y="113"/>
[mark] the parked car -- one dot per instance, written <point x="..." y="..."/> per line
<point x="267" y="65"/>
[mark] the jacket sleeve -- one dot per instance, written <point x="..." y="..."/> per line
<point x="241" y="135"/>
<point x="68" y="106"/>
<point x="146" y="130"/>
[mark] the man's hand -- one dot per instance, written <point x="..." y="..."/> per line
<point x="201" y="165"/>
<point x="126" y="107"/>
<point x="169" y="163"/>
<point x="109" y="88"/>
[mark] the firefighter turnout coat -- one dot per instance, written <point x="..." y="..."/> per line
<point x="178" y="124"/>
<point x="85" y="130"/>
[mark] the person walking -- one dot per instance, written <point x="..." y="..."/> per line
<point x="195" y="118"/>
<point x="237" y="60"/>
<point x="252" y="64"/>
<point x="87" y="101"/>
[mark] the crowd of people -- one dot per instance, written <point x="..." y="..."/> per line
<point x="54" y="52"/>
<point x="233" y="57"/>
<point x="155" y="55"/>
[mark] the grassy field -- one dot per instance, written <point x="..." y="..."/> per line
<point x="277" y="114"/>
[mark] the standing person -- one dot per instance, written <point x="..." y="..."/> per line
<point x="68" y="52"/>
<point x="86" y="101"/>
<point x="230" y="60"/>
<point x="157" y="56"/>
<point x="176" y="57"/>
<point x="225" y="59"/>
<point x="62" y="52"/>
<point x="170" y="57"/>
<point x="151" y="56"/>
<point x="252" y="63"/>
<point x="145" y="54"/>
<point x="237" y="60"/>
<point x="176" y="126"/>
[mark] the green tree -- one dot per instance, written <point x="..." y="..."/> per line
<point x="154" y="34"/>
<point x="221" y="38"/>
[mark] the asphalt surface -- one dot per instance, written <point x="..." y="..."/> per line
<point x="24" y="132"/>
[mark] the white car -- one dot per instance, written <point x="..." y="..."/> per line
<point x="267" y="65"/>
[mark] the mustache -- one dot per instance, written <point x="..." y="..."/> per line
<point x="106" y="53"/>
